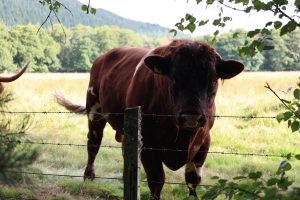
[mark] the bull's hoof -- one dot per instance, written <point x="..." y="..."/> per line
<point x="193" y="195"/>
<point x="154" y="198"/>
<point x="89" y="174"/>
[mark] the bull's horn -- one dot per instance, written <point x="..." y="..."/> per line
<point x="15" y="76"/>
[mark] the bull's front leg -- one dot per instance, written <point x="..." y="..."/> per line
<point x="155" y="173"/>
<point x="193" y="170"/>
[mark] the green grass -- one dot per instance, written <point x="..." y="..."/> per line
<point x="244" y="95"/>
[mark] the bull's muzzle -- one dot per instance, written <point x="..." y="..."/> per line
<point x="191" y="120"/>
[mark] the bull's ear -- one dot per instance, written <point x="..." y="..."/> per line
<point x="227" y="69"/>
<point x="158" y="64"/>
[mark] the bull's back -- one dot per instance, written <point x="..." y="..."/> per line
<point x="110" y="76"/>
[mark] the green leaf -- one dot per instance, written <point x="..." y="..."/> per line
<point x="248" y="9"/>
<point x="277" y="24"/>
<point x="217" y="22"/>
<point x="173" y="31"/>
<point x="280" y="117"/>
<point x="285" y="166"/>
<point x="235" y="35"/>
<point x="198" y="1"/>
<point x="181" y="27"/>
<point x="209" y="2"/>
<point x="191" y="27"/>
<point x="93" y="11"/>
<point x="202" y="22"/>
<point x="222" y="181"/>
<point x="42" y="2"/>
<point x="295" y="126"/>
<point x="84" y="7"/>
<point x="259" y="5"/>
<point x="190" y="18"/>
<point x="272" y="181"/>
<point x="215" y="177"/>
<point x="297" y="4"/>
<point x="216" y="32"/>
<point x="225" y="19"/>
<point x="297" y="156"/>
<point x="289" y="27"/>
<point x="287" y="115"/>
<point x="239" y="177"/>
<point x="268" y="24"/>
<point x="297" y="94"/>
<point x="265" y="31"/>
<point x="284" y="183"/>
<point x="289" y="156"/>
<point x="251" y="34"/>
<point x="265" y="48"/>
<point x="255" y="175"/>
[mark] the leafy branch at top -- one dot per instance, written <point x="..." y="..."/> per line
<point x="88" y="9"/>
<point x="54" y="7"/>
<point x="259" y="39"/>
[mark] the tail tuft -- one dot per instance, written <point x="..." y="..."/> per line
<point x="61" y="100"/>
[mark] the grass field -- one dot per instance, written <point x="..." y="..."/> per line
<point x="244" y="95"/>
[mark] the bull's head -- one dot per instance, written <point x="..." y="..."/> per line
<point x="4" y="79"/>
<point x="193" y="71"/>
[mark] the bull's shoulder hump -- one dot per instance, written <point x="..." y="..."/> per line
<point x="120" y="52"/>
<point x="127" y="51"/>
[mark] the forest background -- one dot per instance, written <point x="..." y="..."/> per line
<point x="73" y="48"/>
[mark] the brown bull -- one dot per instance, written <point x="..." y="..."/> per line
<point x="179" y="82"/>
<point x="5" y="79"/>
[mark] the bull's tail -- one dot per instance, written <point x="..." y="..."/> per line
<point x="76" y="108"/>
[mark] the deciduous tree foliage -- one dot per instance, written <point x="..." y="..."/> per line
<point x="6" y="55"/>
<point x="50" y="50"/>
<point x="39" y="49"/>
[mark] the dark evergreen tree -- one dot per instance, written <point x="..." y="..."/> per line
<point x="13" y="154"/>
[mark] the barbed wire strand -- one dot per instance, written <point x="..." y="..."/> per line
<point x="151" y="149"/>
<point x="60" y="175"/>
<point x="143" y="114"/>
<point x="69" y="144"/>
<point x="96" y="177"/>
<point x="220" y="152"/>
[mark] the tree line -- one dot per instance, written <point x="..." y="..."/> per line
<point x="74" y="49"/>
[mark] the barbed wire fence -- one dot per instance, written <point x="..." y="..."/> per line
<point x="133" y="194"/>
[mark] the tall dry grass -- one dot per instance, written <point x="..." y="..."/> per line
<point x="243" y="95"/>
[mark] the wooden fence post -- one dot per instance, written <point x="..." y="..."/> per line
<point x="131" y="152"/>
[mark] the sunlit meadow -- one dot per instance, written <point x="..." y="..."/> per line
<point x="244" y="95"/>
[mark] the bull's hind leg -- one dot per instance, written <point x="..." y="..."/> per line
<point x="96" y="124"/>
<point x="193" y="169"/>
<point x="95" y="135"/>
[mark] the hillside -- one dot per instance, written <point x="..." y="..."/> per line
<point x="30" y="11"/>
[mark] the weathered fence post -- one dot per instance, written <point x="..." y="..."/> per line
<point x="131" y="151"/>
